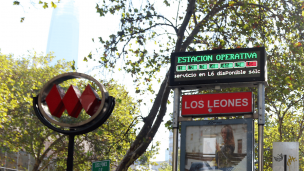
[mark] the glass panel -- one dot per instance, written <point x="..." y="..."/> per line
<point x="52" y="166"/>
<point x="23" y="161"/>
<point x="11" y="160"/>
<point x="32" y="162"/>
<point x="2" y="158"/>
<point x="216" y="147"/>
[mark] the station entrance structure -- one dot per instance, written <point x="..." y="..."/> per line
<point x="218" y="69"/>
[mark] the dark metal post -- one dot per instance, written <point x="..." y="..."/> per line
<point x="175" y="127"/>
<point x="70" y="153"/>
<point x="285" y="162"/>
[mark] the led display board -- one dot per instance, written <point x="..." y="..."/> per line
<point x="218" y="66"/>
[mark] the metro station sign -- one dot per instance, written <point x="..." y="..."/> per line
<point x="218" y="104"/>
<point x="218" y="66"/>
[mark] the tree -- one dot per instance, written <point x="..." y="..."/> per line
<point x="43" y="4"/>
<point x="205" y="25"/>
<point x="165" y="167"/>
<point x="284" y="99"/>
<point x="201" y="25"/>
<point x="21" y="130"/>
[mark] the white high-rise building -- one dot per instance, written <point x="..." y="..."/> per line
<point x="63" y="38"/>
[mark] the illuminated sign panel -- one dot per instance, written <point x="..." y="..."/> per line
<point x="218" y="66"/>
<point x="219" y="104"/>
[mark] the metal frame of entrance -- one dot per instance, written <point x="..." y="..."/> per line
<point x="261" y="115"/>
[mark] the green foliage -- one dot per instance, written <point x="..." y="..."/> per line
<point x="16" y="3"/>
<point x="43" y="4"/>
<point x="145" y="161"/>
<point x="165" y="167"/>
<point x="209" y="25"/>
<point x="53" y="4"/>
<point x="21" y="79"/>
<point x="217" y="24"/>
<point x="284" y="100"/>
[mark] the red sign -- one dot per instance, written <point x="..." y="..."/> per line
<point x="221" y="103"/>
<point x="252" y="64"/>
<point x="73" y="101"/>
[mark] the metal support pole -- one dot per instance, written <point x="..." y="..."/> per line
<point x="29" y="162"/>
<point x="175" y="127"/>
<point x="261" y="151"/>
<point x="285" y="162"/>
<point x="17" y="160"/>
<point x="261" y="122"/>
<point x="5" y="165"/>
<point x="175" y="149"/>
<point x="70" y="153"/>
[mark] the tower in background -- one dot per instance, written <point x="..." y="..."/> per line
<point x="63" y="38"/>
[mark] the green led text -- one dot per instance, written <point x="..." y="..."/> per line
<point x="186" y="59"/>
<point x="192" y="67"/>
<point x="223" y="57"/>
<point x="203" y="66"/>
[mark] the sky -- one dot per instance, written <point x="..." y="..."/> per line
<point x="32" y="35"/>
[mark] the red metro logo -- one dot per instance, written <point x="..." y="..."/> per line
<point x="73" y="101"/>
<point x="52" y="101"/>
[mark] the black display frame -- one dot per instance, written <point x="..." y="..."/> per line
<point x="262" y="77"/>
<point x="250" y="137"/>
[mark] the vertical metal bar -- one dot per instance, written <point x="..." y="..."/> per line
<point x="70" y="153"/>
<point x="261" y="122"/>
<point x="29" y="162"/>
<point x="261" y="103"/>
<point x="175" y="149"/>
<point x="285" y="162"/>
<point x="5" y="161"/>
<point x="261" y="151"/>
<point x="175" y="127"/>
<point x="17" y="159"/>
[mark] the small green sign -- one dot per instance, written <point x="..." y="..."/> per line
<point x="181" y="68"/>
<point x="203" y="66"/>
<point x="192" y="67"/>
<point x="226" y="65"/>
<point x="214" y="66"/>
<point x="239" y="65"/>
<point x="101" y="165"/>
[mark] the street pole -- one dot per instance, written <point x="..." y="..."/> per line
<point x="70" y="153"/>
<point x="261" y="122"/>
<point x="175" y="127"/>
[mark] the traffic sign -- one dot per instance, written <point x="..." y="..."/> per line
<point x="101" y="165"/>
<point x="217" y="104"/>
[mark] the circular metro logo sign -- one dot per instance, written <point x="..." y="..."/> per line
<point x="85" y="111"/>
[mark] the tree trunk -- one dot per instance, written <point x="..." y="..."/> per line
<point x="148" y="131"/>
<point x="36" y="165"/>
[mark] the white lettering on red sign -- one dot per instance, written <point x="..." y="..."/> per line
<point x="219" y="103"/>
<point x="195" y="104"/>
